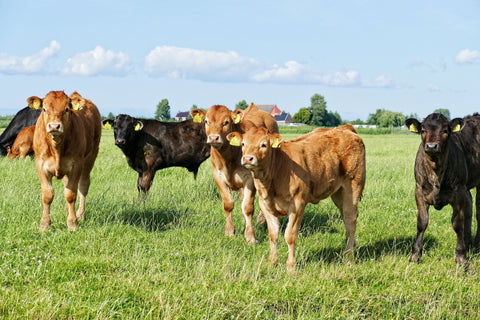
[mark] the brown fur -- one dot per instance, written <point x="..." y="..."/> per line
<point x="324" y="163"/>
<point x="66" y="145"/>
<point x="23" y="144"/>
<point x="228" y="173"/>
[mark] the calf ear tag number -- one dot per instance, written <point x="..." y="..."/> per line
<point x="412" y="128"/>
<point x="138" y="127"/>
<point x="457" y="128"/>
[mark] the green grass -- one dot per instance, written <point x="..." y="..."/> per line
<point x="167" y="257"/>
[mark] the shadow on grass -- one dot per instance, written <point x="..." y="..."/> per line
<point x="324" y="223"/>
<point x="138" y="215"/>
<point x="376" y="250"/>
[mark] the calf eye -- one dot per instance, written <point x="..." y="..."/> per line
<point x="226" y="123"/>
<point x="263" y="145"/>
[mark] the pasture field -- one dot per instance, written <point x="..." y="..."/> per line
<point x="166" y="257"/>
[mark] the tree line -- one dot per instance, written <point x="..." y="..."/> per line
<point x="318" y="115"/>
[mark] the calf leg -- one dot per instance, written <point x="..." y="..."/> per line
<point x="422" y="223"/>
<point x="291" y="236"/>
<point x="247" y="211"/>
<point x="47" y="195"/>
<point x="227" y="202"/>
<point x="467" y="220"/>
<point x="458" y="224"/>
<point x="144" y="181"/>
<point x="47" y="198"/>
<point x="343" y="199"/>
<point x="70" y="193"/>
<point x="273" y="225"/>
<point x="477" y="214"/>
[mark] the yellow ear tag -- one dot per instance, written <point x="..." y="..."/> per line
<point x="238" y="118"/>
<point x="36" y="104"/>
<point x="457" y="128"/>
<point x="412" y="128"/>
<point x="107" y="126"/>
<point x="197" y="118"/>
<point x="236" y="141"/>
<point x="276" y="143"/>
<point x="76" y="106"/>
<point x="138" y="127"/>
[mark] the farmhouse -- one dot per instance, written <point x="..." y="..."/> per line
<point x="284" y="119"/>
<point x="270" y="108"/>
<point x="182" y="116"/>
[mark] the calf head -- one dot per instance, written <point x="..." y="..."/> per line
<point x="124" y="129"/>
<point x="435" y="131"/>
<point x="57" y="110"/>
<point x="257" y="145"/>
<point x="219" y="122"/>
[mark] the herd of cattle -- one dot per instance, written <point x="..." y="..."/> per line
<point x="249" y="156"/>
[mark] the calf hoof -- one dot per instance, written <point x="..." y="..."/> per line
<point x="229" y="231"/>
<point x="291" y="267"/>
<point x="80" y="216"/>
<point x="44" y="228"/>
<point x="460" y="259"/>
<point x="72" y="225"/>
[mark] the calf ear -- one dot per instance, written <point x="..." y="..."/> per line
<point x="107" y="123"/>
<point x="457" y="124"/>
<point x="413" y="125"/>
<point x="237" y="115"/>
<point x="77" y="103"/>
<point x="138" y="126"/>
<point x="235" y="139"/>
<point x="34" y="103"/>
<point x="198" y="115"/>
<point x="275" y="140"/>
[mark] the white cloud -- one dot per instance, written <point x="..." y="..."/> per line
<point x="433" y="87"/>
<point x="31" y="64"/>
<point x="297" y="73"/>
<point x="185" y="63"/>
<point x="98" y="61"/>
<point x="468" y="56"/>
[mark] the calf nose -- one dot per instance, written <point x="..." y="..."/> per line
<point x="214" y="138"/>
<point x="431" y="147"/>
<point x="54" y="127"/>
<point x="248" y="159"/>
<point x="119" y="142"/>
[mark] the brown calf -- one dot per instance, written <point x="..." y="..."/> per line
<point x="67" y="135"/>
<point x="228" y="173"/>
<point x="288" y="175"/>
<point x="23" y="144"/>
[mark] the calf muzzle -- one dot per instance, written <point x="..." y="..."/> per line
<point x="119" y="142"/>
<point x="54" y="128"/>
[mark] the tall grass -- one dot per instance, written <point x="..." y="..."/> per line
<point x="166" y="256"/>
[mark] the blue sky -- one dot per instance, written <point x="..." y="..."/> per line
<point x="361" y="55"/>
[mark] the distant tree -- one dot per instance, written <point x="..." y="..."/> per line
<point x="414" y="115"/>
<point x="194" y="106"/>
<point x="304" y="115"/>
<point x="319" y="110"/>
<point x="390" y="119"/>
<point x="373" y="117"/>
<point x="163" y="110"/>
<point x="242" y="105"/>
<point x="443" y="111"/>
<point x="357" y="121"/>
<point x="111" y="116"/>
<point x="333" y="119"/>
